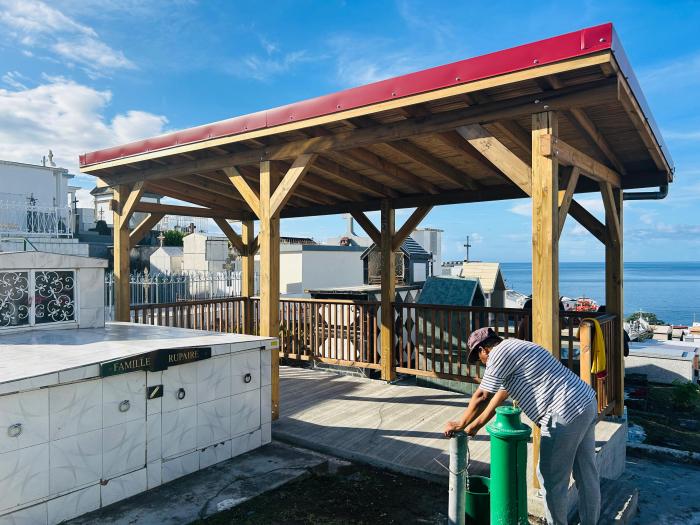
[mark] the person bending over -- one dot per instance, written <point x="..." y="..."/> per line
<point x="556" y="400"/>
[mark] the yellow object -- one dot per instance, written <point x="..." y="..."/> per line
<point x="598" y="364"/>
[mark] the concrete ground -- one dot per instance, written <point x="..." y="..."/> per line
<point x="669" y="492"/>
<point x="211" y="490"/>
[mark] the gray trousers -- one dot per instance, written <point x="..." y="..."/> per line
<point x="567" y="447"/>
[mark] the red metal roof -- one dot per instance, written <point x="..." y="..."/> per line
<point x="570" y="45"/>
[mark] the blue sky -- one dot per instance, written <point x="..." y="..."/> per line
<point x="78" y="75"/>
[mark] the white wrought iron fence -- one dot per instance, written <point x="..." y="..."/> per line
<point x="159" y="288"/>
<point x="39" y="221"/>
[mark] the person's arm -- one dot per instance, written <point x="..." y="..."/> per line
<point x="476" y="405"/>
<point x="497" y="400"/>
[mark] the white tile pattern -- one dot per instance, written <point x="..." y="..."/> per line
<point x="179" y="429"/>
<point x="180" y="466"/>
<point x="34" y="515"/>
<point x="74" y="504"/>
<point x="245" y="443"/>
<point x="180" y="378"/>
<point x="245" y="412"/>
<point x="265" y="367"/>
<point x="123" y="448"/>
<point x="26" y="414"/>
<point x="215" y="454"/>
<point x="154" y="472"/>
<point x="75" y="461"/>
<point x="123" y="398"/>
<point x="124" y="487"/>
<point x="24" y="476"/>
<point x="213" y="422"/>
<point x="213" y="379"/>
<point x="245" y="366"/>
<point x="75" y="408"/>
<point x="153" y="437"/>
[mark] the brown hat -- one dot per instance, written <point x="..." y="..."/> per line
<point x="476" y="338"/>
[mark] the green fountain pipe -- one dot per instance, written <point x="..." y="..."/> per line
<point x="508" y="467"/>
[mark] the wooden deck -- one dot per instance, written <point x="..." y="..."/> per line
<point x="393" y="426"/>
<point x="396" y="426"/>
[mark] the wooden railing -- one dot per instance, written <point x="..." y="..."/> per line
<point x="428" y="340"/>
<point x="431" y="340"/>
<point x="220" y="315"/>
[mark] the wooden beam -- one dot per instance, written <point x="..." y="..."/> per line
<point x="597" y="92"/>
<point x="187" y="211"/>
<point x="231" y="235"/>
<point x="612" y="221"/>
<point x="515" y="133"/>
<point x="614" y="297"/>
<point x="455" y="141"/>
<point x="249" y="194"/>
<point x="566" y="196"/>
<point x="570" y="156"/>
<point x="588" y="221"/>
<point x="505" y="160"/>
<point x="388" y="286"/>
<point x="270" y="176"/>
<point x="366" y="224"/>
<point x="127" y="208"/>
<point x="121" y="256"/>
<point x="206" y="199"/>
<point x="248" y="275"/>
<point x="411" y="224"/>
<point x="291" y="180"/>
<point x="254" y="246"/>
<point x="142" y="228"/>
<point x="434" y="164"/>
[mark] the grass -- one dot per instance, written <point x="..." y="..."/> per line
<point x="355" y="494"/>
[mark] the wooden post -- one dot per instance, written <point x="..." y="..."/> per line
<point x="269" y="236"/>
<point x="388" y="278"/>
<point x="614" y="298"/>
<point x="545" y="249"/>
<point x="247" y="275"/>
<point x="121" y="245"/>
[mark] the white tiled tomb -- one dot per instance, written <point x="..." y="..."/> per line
<point x="79" y="431"/>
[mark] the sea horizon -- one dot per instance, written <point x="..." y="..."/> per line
<point x="669" y="289"/>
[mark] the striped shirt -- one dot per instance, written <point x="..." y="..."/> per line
<point x="536" y="380"/>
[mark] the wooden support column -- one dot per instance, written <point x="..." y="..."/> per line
<point x="270" y="176"/>
<point x="388" y="277"/>
<point x="545" y="249"/>
<point x="247" y="274"/>
<point x="121" y="245"/>
<point x="614" y="296"/>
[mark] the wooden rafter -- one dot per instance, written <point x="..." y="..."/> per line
<point x="251" y="197"/>
<point x="231" y="235"/>
<point x="189" y="194"/>
<point x="411" y="224"/>
<point x="187" y="211"/>
<point x="588" y="129"/>
<point x="566" y="197"/>
<point x="570" y="156"/>
<point x="254" y="246"/>
<point x="439" y="167"/>
<point x="290" y="181"/>
<point x="388" y="168"/>
<point x="505" y="160"/>
<point x="359" y="182"/>
<point x="598" y="92"/>
<point x="143" y="227"/>
<point x="368" y="226"/>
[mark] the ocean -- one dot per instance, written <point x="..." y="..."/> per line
<point x="671" y="290"/>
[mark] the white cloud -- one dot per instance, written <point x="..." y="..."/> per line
<point x="68" y="118"/>
<point x="265" y="67"/>
<point x="85" y="200"/>
<point x="14" y="79"/>
<point x="524" y="209"/>
<point x="37" y="25"/>
<point x="683" y="72"/>
<point x="690" y="136"/>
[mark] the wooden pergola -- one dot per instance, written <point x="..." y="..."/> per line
<point x="547" y="120"/>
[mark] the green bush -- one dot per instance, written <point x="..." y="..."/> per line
<point x="173" y="238"/>
<point x="685" y="395"/>
<point x="648" y="316"/>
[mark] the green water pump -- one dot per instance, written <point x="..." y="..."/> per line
<point x="509" y="436"/>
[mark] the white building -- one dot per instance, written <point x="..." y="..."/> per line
<point x="350" y="238"/>
<point x="204" y="253"/>
<point x="663" y="362"/>
<point x="431" y="241"/>
<point x="314" y="266"/>
<point x="36" y="209"/>
<point x="103" y="199"/>
<point x="167" y="259"/>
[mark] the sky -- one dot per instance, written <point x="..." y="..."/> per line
<point x="80" y="75"/>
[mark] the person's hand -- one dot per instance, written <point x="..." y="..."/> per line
<point x="472" y="428"/>
<point x="450" y="428"/>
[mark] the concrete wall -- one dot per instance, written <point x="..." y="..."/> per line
<point x="291" y="276"/>
<point x="162" y="262"/>
<point x="60" y="246"/>
<point x="203" y="254"/>
<point x="659" y="370"/>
